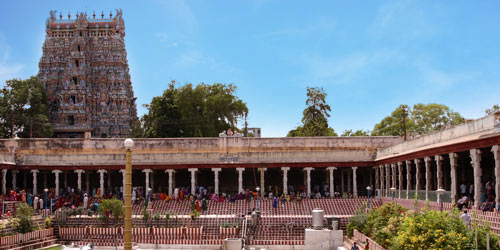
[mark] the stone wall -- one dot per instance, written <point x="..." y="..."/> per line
<point x="181" y="151"/>
<point x="466" y="131"/>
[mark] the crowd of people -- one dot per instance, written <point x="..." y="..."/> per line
<point x="487" y="197"/>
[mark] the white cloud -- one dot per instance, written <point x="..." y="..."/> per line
<point x="343" y="69"/>
<point x="197" y="58"/>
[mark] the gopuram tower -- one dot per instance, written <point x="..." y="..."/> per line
<point x="86" y="76"/>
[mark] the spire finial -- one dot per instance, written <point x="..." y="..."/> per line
<point x="69" y="15"/>
<point x="93" y="15"/>
<point x="110" y="14"/>
<point x="60" y="15"/>
<point x="102" y="14"/>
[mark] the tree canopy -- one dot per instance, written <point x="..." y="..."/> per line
<point x="493" y="109"/>
<point x="423" y="118"/>
<point x="315" y="116"/>
<point x="358" y="132"/>
<point x="23" y="109"/>
<point x="201" y="111"/>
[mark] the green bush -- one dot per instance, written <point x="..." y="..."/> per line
<point x="396" y="228"/>
<point x="24" y="222"/>
<point x="110" y="208"/>
<point x="358" y="221"/>
<point x="431" y="230"/>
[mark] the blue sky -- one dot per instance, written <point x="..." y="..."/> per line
<point x="369" y="56"/>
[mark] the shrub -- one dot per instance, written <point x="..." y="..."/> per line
<point x="432" y="230"/>
<point x="358" y="221"/>
<point x="23" y="216"/>
<point x="47" y="222"/>
<point x="110" y="208"/>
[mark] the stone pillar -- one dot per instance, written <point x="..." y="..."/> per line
<point x="56" y="174"/>
<point x="285" y="179"/>
<point x="427" y="161"/>
<point x="14" y="179"/>
<point x="439" y="171"/>
<point x="101" y="180"/>
<point x="332" y="181"/>
<point x="193" y="180"/>
<point x="262" y="182"/>
<point x="496" y="153"/>
<point x="376" y="180"/>
<point x="124" y="175"/>
<point x="408" y="179"/>
<point x="354" y="183"/>
<point x="170" y="181"/>
<point x="79" y="180"/>
<point x="147" y="172"/>
<point x="240" y="179"/>
<point x="475" y="155"/>
<point x="387" y="180"/>
<point x="35" y="184"/>
<point x="453" y="175"/>
<point x="4" y="181"/>
<point x="400" y="181"/>
<point x="417" y="175"/>
<point x="308" y="180"/>
<point x="216" y="179"/>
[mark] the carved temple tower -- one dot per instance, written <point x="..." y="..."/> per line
<point x="85" y="72"/>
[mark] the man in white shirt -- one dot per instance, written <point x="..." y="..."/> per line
<point x="465" y="218"/>
<point x="85" y="201"/>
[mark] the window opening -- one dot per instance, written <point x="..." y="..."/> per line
<point x="71" y="120"/>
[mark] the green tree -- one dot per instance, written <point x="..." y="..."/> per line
<point x="24" y="218"/>
<point x="110" y="208"/>
<point x="201" y="111"/>
<point x="315" y="116"/>
<point x="163" y="117"/>
<point x="393" y="125"/>
<point x="23" y="109"/>
<point x="433" y="116"/>
<point x="358" y="132"/>
<point x="492" y="110"/>
<point x="423" y="118"/>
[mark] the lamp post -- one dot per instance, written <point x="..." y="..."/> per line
<point x="393" y="191"/>
<point x="127" y="197"/>
<point x="440" y="193"/>
<point x="257" y="199"/>
<point x="46" y="199"/>
<point x="369" y="189"/>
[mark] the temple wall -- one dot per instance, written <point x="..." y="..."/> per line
<point x="172" y="151"/>
<point x="484" y="126"/>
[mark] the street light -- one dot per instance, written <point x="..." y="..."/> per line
<point x="369" y="189"/>
<point x="440" y="193"/>
<point x="46" y="199"/>
<point x="127" y="197"/>
<point x="393" y="190"/>
<point x="257" y="199"/>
